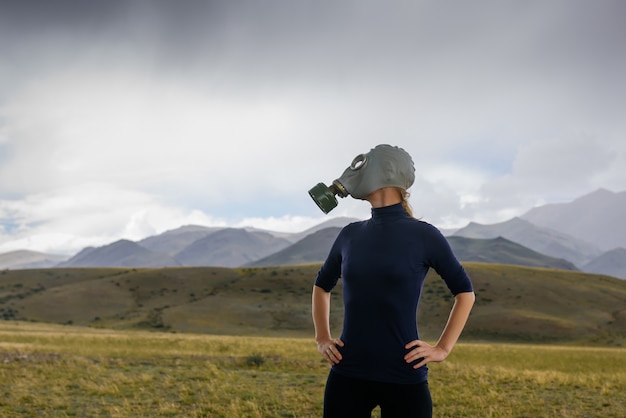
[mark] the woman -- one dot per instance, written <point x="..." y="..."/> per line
<point x="379" y="359"/>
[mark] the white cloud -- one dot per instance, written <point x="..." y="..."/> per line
<point x="65" y="220"/>
<point x="126" y="129"/>
<point x="288" y="223"/>
<point x="558" y="168"/>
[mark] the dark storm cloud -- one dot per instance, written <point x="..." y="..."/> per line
<point x="328" y="40"/>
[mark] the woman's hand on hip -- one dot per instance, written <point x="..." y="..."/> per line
<point x="328" y="349"/>
<point x="423" y="353"/>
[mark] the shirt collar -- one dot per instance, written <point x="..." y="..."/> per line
<point x="389" y="213"/>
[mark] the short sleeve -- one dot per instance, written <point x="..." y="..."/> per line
<point x="330" y="272"/>
<point x="442" y="259"/>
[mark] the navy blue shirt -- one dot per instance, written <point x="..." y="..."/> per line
<point x="383" y="262"/>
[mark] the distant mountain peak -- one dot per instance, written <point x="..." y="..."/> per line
<point x="600" y="193"/>
<point x="121" y="253"/>
<point x="122" y="241"/>
<point x="611" y="263"/>
<point x="21" y="259"/>
<point x="596" y="218"/>
<point x="189" y="228"/>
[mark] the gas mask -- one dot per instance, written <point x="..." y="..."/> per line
<point x="383" y="166"/>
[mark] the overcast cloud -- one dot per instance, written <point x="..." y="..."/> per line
<point x="122" y="119"/>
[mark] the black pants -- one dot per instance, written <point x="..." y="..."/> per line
<point x="345" y="397"/>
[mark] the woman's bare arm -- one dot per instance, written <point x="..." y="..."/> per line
<point x="320" y="309"/>
<point x="463" y="303"/>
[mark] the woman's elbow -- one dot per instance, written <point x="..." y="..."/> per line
<point x="466" y="297"/>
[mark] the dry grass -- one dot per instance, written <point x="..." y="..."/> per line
<point x="61" y="371"/>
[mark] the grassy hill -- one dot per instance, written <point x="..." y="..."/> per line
<point x="513" y="303"/>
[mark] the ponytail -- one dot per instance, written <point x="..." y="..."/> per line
<point x="405" y="202"/>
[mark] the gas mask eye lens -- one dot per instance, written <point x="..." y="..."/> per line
<point x="358" y="162"/>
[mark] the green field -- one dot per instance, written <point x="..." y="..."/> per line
<point x="49" y="370"/>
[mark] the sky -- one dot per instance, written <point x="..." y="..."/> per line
<point x="124" y="119"/>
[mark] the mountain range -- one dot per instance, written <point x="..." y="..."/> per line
<point x="585" y="234"/>
<point x="541" y="239"/>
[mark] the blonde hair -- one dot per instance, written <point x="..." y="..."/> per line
<point x="405" y="202"/>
